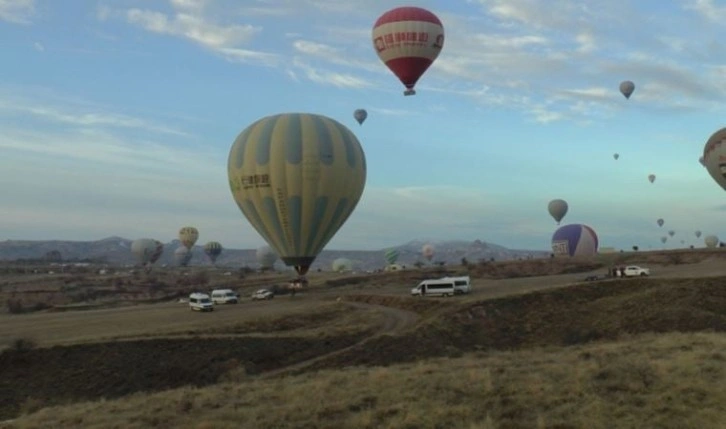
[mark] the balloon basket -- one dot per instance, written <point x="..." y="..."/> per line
<point x="409" y="92"/>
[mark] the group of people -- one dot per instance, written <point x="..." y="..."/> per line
<point x="616" y="272"/>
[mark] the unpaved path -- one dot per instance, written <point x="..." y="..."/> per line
<point x="395" y="320"/>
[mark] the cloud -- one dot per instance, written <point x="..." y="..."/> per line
<point x="331" y="78"/>
<point x="708" y="9"/>
<point x="391" y="112"/>
<point x="17" y="11"/>
<point x="189" y="21"/>
<point x="38" y="47"/>
<point x="72" y="114"/>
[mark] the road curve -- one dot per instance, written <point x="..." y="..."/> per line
<point x="395" y="320"/>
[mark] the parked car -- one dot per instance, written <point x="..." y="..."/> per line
<point x="224" y="296"/>
<point x="200" y="302"/>
<point x="262" y="294"/>
<point x="634" y="271"/>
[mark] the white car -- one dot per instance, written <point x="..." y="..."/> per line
<point x="262" y="294"/>
<point x="634" y="271"/>
<point x="200" y="302"/>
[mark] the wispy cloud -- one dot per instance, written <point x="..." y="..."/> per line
<point x="38" y="47"/>
<point x="17" y="11"/>
<point x="189" y="21"/>
<point x="330" y="78"/>
<point x="72" y="114"/>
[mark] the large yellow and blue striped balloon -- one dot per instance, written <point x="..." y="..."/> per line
<point x="297" y="178"/>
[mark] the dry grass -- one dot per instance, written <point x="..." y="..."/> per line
<point x="666" y="381"/>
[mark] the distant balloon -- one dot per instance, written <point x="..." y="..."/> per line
<point x="626" y="88"/>
<point x="391" y="256"/>
<point x="574" y="240"/>
<point x="360" y="115"/>
<point x="660" y="222"/>
<point x="188" y="236"/>
<point x="558" y="209"/>
<point x="698" y="234"/>
<point x="158" y="251"/>
<point x="428" y="251"/>
<point x="266" y="257"/>
<point x="182" y="256"/>
<point x="342" y="264"/>
<point x="714" y="157"/>
<point x="651" y="178"/>
<point x="143" y="249"/>
<point x="297" y="177"/>
<point x="711" y="240"/>
<point x="663" y="239"/>
<point x="213" y="249"/>
<point x="408" y="40"/>
<point x="616" y="156"/>
<point x="671" y="233"/>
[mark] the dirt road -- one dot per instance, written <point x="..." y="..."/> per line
<point x="394" y="321"/>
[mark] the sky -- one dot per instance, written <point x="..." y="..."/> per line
<point x="117" y="117"/>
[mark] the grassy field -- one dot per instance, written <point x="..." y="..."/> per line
<point x="536" y="349"/>
<point x="673" y="381"/>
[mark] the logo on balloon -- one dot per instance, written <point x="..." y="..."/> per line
<point x="560" y="248"/>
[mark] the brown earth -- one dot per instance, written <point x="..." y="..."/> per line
<point x="563" y="316"/>
<point x="490" y="319"/>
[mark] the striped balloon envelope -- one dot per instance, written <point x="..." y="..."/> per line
<point x="408" y="40"/>
<point x="188" y="236"/>
<point x="574" y="240"/>
<point x="297" y="178"/>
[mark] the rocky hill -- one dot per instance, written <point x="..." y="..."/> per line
<point x="117" y="251"/>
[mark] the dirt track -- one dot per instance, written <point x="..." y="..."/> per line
<point x="394" y="321"/>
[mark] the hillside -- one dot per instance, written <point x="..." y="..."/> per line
<point x="116" y="251"/>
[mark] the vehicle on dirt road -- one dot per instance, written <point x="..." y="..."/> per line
<point x="200" y="302"/>
<point x="438" y="287"/>
<point x="262" y="294"/>
<point x="635" y="271"/>
<point x="224" y="296"/>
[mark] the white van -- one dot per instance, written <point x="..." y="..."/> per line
<point x="224" y="296"/>
<point x="434" y="288"/>
<point x="200" y="302"/>
<point x="462" y="284"/>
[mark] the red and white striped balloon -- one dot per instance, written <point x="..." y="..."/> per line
<point x="408" y="40"/>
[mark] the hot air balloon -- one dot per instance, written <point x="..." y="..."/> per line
<point x="188" y="236"/>
<point x="143" y="249"/>
<point x="182" y="256"/>
<point x="360" y="115"/>
<point x="266" y="257"/>
<point x="428" y="251"/>
<point x="660" y="222"/>
<point x="671" y="233"/>
<point x="558" y="209"/>
<point x="391" y="256"/>
<point x="663" y="239"/>
<point x="342" y="264"/>
<point x="651" y="178"/>
<point x="698" y="234"/>
<point x="213" y="249"/>
<point x="626" y="88"/>
<point x="297" y="177"/>
<point x="408" y="40"/>
<point x="616" y="156"/>
<point x="711" y="241"/>
<point x="574" y="240"/>
<point x="714" y="157"/>
<point x="158" y="251"/>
